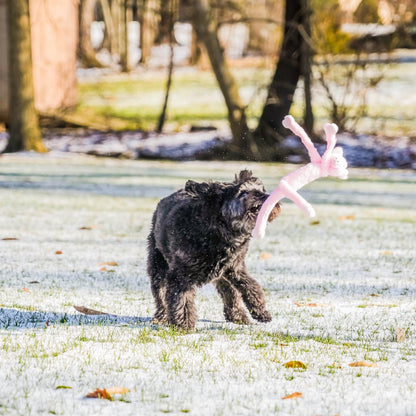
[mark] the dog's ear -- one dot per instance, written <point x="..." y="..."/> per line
<point x="243" y="176"/>
<point x="196" y="188"/>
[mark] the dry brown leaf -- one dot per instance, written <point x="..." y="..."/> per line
<point x="108" y="263"/>
<point x="26" y="290"/>
<point x="58" y="252"/>
<point x="316" y="222"/>
<point x="87" y="228"/>
<point x="346" y="217"/>
<point x="88" y="311"/>
<point x="294" y="395"/>
<point x="9" y="239"/>
<point x="103" y="269"/>
<point x="362" y="364"/>
<point x="265" y="256"/>
<point x="400" y="335"/>
<point x="295" y="364"/>
<point x="99" y="394"/>
<point x="108" y="393"/>
<point x="309" y="305"/>
<point x="385" y="253"/>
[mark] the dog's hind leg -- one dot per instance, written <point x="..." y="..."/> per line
<point x="252" y="294"/>
<point x="180" y="303"/>
<point x="233" y="303"/>
<point x="157" y="269"/>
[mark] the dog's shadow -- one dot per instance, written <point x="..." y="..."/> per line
<point x="22" y="319"/>
<point x="14" y="319"/>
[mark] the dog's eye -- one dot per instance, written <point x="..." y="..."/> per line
<point x="243" y="194"/>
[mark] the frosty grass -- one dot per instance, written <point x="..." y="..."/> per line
<point x="340" y="287"/>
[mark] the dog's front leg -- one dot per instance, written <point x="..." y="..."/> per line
<point x="252" y="294"/>
<point x="233" y="304"/>
<point x="180" y="302"/>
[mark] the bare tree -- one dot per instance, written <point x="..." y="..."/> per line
<point x="286" y="77"/>
<point x="86" y="50"/>
<point x="263" y="143"/>
<point x="148" y="27"/>
<point x="243" y="144"/>
<point x="24" y="124"/>
<point x="172" y="14"/>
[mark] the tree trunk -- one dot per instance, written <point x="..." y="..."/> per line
<point x="306" y="66"/>
<point x="24" y="124"/>
<point x="172" y="16"/>
<point x="86" y="51"/>
<point x="285" y="79"/>
<point x="109" y="25"/>
<point x="148" y="25"/>
<point x="124" y="36"/>
<point x="243" y="143"/>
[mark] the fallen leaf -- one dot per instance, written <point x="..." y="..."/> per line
<point x="103" y="269"/>
<point x="62" y="387"/>
<point x="108" y="393"/>
<point x="99" y="394"/>
<point x="385" y="253"/>
<point x="87" y="228"/>
<point x="362" y="364"/>
<point x="309" y="305"/>
<point x="9" y="239"/>
<point x="375" y="295"/>
<point x="294" y="395"/>
<point x="400" y="335"/>
<point x="108" y="263"/>
<point x="26" y="290"/>
<point x="58" y="252"/>
<point x="88" y="311"/>
<point x="295" y="364"/>
<point x="316" y="222"/>
<point x="265" y="256"/>
<point x="346" y="217"/>
<point x="32" y="282"/>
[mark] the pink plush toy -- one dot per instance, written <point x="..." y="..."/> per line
<point x="332" y="163"/>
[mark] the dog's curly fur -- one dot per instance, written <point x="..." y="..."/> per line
<point x="200" y="234"/>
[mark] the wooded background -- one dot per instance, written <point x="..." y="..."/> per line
<point x="121" y="34"/>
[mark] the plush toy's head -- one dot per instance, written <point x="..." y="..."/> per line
<point x="337" y="164"/>
<point x="333" y="160"/>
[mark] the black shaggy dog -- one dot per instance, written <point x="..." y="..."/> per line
<point x="200" y="234"/>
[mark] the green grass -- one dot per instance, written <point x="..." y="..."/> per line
<point x="134" y="101"/>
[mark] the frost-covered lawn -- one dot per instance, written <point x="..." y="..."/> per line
<point x="341" y="289"/>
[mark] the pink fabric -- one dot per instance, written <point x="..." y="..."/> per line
<point x="332" y="163"/>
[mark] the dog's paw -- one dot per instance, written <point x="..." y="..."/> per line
<point x="239" y="320"/>
<point x="236" y="316"/>
<point x="264" y="316"/>
<point x="160" y="320"/>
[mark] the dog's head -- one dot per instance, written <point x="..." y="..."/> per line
<point x="238" y="203"/>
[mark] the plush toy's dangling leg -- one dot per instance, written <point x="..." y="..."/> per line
<point x="294" y="196"/>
